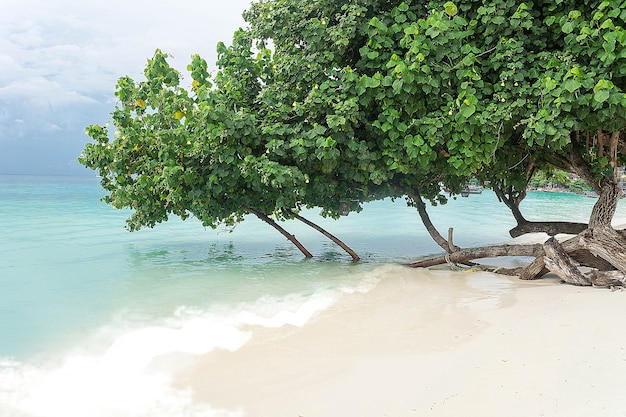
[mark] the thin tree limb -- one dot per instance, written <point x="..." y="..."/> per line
<point x="332" y="237"/>
<point x="282" y="231"/>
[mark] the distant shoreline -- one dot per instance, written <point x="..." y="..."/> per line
<point x="555" y="190"/>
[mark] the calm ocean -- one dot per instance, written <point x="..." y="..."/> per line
<point x="85" y="305"/>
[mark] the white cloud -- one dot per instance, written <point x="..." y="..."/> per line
<point x="42" y="92"/>
<point x="60" y="59"/>
<point x="87" y="45"/>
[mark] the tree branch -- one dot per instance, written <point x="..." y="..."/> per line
<point x="332" y="237"/>
<point x="282" y="231"/>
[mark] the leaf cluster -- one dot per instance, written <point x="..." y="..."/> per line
<point x="335" y="103"/>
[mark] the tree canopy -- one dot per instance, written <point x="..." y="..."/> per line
<point x="325" y="103"/>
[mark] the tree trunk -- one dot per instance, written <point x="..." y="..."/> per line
<point x="604" y="209"/>
<point x="524" y="226"/>
<point x="512" y="203"/>
<point x="576" y="250"/>
<point x="609" y="190"/>
<point x="430" y="227"/>
<point x="343" y="246"/>
<point x="282" y="231"/>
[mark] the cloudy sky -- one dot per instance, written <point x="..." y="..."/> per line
<point x="60" y="60"/>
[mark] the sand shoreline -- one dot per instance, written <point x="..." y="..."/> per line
<point x="431" y="343"/>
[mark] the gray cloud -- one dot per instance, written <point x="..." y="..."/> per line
<point x="59" y="62"/>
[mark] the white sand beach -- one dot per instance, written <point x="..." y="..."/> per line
<point x="432" y="343"/>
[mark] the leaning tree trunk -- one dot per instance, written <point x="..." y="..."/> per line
<point x="282" y="231"/>
<point x="549" y="228"/>
<point x="512" y="202"/>
<point x="332" y="237"/>
<point x="430" y="227"/>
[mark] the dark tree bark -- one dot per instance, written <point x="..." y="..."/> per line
<point x="553" y="228"/>
<point x="430" y="227"/>
<point x="550" y="228"/>
<point x="282" y="231"/>
<point x="512" y="201"/>
<point x="604" y="209"/>
<point x="342" y="245"/>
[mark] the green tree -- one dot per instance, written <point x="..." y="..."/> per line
<point x="335" y="103"/>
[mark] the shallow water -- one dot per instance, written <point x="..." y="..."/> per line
<point x="85" y="305"/>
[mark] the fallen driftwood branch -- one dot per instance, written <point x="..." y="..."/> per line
<point x="606" y="243"/>
<point x="559" y="262"/>
<point x="601" y="252"/>
<point x="466" y="255"/>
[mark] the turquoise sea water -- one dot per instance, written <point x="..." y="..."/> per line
<point x="82" y="299"/>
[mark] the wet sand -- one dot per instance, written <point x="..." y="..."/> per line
<point x="431" y="343"/>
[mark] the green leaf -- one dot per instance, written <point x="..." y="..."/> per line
<point x="607" y="24"/>
<point x="568" y="27"/>
<point x="469" y="60"/>
<point x="397" y="86"/>
<point x="467" y="110"/>
<point x="601" y="96"/>
<point x="401" y="18"/>
<point x="386" y="126"/>
<point x="571" y="85"/>
<point x="450" y="9"/>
